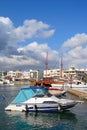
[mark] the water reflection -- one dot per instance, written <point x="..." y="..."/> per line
<point x="44" y="120"/>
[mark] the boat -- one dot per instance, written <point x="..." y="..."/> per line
<point x="6" y="82"/>
<point x="57" y="91"/>
<point x="37" y="99"/>
<point x="59" y="84"/>
<point x="1" y="81"/>
<point x="76" y="84"/>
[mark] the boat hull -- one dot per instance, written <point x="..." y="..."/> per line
<point x="56" y="92"/>
<point x="39" y="107"/>
<point x="57" y="108"/>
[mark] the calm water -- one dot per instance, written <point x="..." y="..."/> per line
<point x="75" y="119"/>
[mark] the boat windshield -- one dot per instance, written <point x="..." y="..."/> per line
<point x="47" y="94"/>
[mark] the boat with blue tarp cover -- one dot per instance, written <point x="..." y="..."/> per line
<point x="37" y="99"/>
<point x="27" y="93"/>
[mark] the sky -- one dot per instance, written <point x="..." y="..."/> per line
<point x="31" y="29"/>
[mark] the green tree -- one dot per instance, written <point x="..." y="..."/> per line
<point x="85" y="79"/>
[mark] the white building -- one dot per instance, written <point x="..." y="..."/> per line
<point x="74" y="73"/>
<point x="66" y="74"/>
<point x="51" y="73"/>
<point x="31" y="74"/>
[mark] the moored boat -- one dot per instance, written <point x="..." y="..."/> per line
<point x="56" y="88"/>
<point x="76" y="84"/>
<point x="56" y="91"/>
<point x="37" y="99"/>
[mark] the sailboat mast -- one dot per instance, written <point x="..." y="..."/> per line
<point x="61" y="68"/>
<point x="46" y="63"/>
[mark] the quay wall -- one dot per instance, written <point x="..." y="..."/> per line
<point x="79" y="93"/>
<point x="22" y="83"/>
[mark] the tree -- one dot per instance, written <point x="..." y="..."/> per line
<point x="85" y="79"/>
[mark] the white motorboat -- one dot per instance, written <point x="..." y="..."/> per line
<point x="56" y="91"/>
<point x="37" y="99"/>
<point x="76" y="84"/>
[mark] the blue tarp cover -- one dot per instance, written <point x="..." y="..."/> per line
<point x="27" y="93"/>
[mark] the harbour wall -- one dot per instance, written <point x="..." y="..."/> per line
<point x="79" y="93"/>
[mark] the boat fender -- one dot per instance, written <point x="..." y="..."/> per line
<point x="35" y="107"/>
<point x="26" y="108"/>
<point x="59" y="107"/>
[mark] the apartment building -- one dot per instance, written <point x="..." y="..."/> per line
<point x="23" y="75"/>
<point x="66" y="74"/>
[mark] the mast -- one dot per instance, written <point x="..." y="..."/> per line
<point x="46" y="64"/>
<point x="61" y="68"/>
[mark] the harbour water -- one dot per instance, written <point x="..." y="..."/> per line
<point x="74" y="119"/>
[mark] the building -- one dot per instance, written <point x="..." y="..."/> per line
<point x="54" y="73"/>
<point x="66" y="74"/>
<point x="21" y="75"/>
<point x="74" y="73"/>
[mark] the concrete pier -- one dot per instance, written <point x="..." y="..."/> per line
<point x="79" y="93"/>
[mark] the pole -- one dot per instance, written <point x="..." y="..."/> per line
<point x="61" y="68"/>
<point x="46" y="64"/>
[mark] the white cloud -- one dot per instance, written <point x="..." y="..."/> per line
<point x="34" y="54"/>
<point x="11" y="35"/>
<point x="5" y="21"/>
<point x="75" y="50"/>
<point x="77" y="40"/>
<point x="31" y="55"/>
<point x="33" y="28"/>
<point x="38" y="51"/>
<point x="34" y="47"/>
<point x="45" y="34"/>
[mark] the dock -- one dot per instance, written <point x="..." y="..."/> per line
<point x="79" y="93"/>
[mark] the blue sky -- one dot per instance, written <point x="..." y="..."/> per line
<point x="31" y="28"/>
